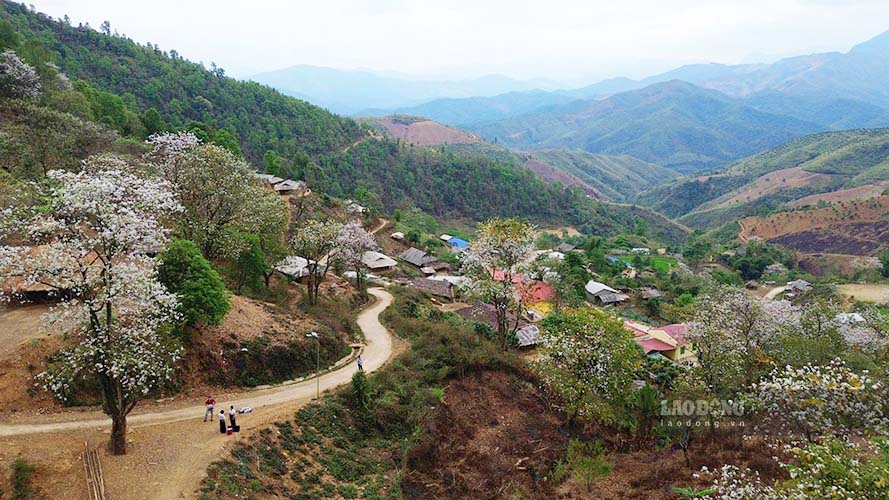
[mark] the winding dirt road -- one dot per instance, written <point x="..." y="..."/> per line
<point x="170" y="449"/>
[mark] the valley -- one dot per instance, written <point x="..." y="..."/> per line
<point x="378" y="285"/>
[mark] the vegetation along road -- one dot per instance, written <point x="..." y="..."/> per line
<point x="172" y="447"/>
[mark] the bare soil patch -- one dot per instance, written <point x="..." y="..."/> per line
<point x="551" y="174"/>
<point x="840" y="195"/>
<point x="787" y="178"/>
<point x="425" y="132"/>
<point x="865" y="293"/>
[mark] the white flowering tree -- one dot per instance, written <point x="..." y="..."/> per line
<point x="18" y="80"/>
<point x="95" y="237"/>
<point x="314" y="242"/>
<point x="494" y="263"/>
<point x="816" y="401"/>
<point x="220" y="194"/>
<point x="832" y="470"/>
<point x="589" y="361"/>
<point x="353" y="242"/>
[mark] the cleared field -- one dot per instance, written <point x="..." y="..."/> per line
<point x="780" y="224"/>
<point x="425" y="132"/>
<point x="865" y="293"/>
<point x="853" y="238"/>
<point x="787" y="178"/>
<point x="840" y="195"/>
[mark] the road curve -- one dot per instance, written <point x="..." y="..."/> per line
<point x="378" y="348"/>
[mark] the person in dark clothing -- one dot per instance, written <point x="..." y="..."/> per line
<point x="231" y="415"/>
<point x="222" y="428"/>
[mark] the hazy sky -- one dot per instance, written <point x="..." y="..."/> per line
<point x="576" y="41"/>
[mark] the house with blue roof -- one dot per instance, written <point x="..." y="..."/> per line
<point x="458" y="243"/>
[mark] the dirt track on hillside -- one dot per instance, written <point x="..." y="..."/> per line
<point x="170" y="448"/>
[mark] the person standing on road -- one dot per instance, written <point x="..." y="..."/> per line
<point x="231" y="415"/>
<point x="211" y="404"/>
<point x="222" y="428"/>
<point x="360" y="363"/>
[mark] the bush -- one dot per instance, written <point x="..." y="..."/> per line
<point x="21" y="480"/>
<point x="202" y="294"/>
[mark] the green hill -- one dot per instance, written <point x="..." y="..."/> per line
<point x="618" y="177"/>
<point x="122" y="82"/>
<point x="828" y="166"/>
<point x="182" y="91"/>
<point x="674" y="124"/>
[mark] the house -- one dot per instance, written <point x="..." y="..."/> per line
<point x="640" y="251"/>
<point x="458" y="243"/>
<point x="668" y="341"/>
<point x="377" y="261"/>
<point x="397" y="236"/>
<point x="354" y="207"/>
<point x="629" y="273"/>
<point x="416" y="257"/>
<point x="438" y="288"/>
<point x="602" y="293"/>
<point x="662" y="251"/>
<point x="527" y="333"/>
<point x="799" y="285"/>
<point x="269" y="178"/>
<point x="289" y="186"/>
<point x="538" y="296"/>
<point x="445" y="237"/>
<point x="615" y="260"/>
<point x="296" y="267"/>
<point x="556" y="255"/>
<point x="565" y="247"/>
<point x="650" y="293"/>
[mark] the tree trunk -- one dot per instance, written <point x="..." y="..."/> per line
<point x="118" y="443"/>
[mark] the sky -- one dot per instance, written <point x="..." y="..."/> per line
<point x="565" y="41"/>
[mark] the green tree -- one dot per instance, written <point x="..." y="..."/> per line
<point x="250" y="264"/>
<point x="153" y="122"/>
<point x="589" y="360"/>
<point x="202" y="295"/>
<point x="224" y="138"/>
<point x="272" y="162"/>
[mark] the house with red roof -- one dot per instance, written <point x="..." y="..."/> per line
<point x="668" y="341"/>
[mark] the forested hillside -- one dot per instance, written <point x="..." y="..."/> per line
<point x="184" y="93"/>
<point x="674" y="124"/>
<point x="620" y="177"/>
<point x="831" y="166"/>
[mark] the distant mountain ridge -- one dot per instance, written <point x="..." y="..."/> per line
<point x="674" y="124"/>
<point x="356" y="91"/>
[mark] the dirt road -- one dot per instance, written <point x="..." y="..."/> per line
<point x="774" y="292"/>
<point x="170" y="449"/>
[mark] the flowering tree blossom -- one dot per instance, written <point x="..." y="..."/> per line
<point x="315" y="241"/>
<point x="832" y="470"/>
<point x="494" y="264"/>
<point x="864" y="330"/>
<point x="588" y="359"/>
<point x="729" y="332"/>
<point x="817" y="401"/>
<point x="218" y="191"/>
<point x="18" y="80"/>
<point x="352" y="243"/>
<point x="100" y="225"/>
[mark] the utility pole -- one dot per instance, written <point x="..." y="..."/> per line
<point x="315" y="336"/>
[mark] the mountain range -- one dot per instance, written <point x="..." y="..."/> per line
<point x="366" y="92"/>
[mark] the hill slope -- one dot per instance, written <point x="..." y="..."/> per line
<point x="420" y="131"/>
<point x="183" y="91"/>
<point x="674" y="124"/>
<point x="831" y="166"/>
<point x="618" y="177"/>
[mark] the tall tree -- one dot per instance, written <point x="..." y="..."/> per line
<point x="314" y="242"/>
<point x="202" y="295"/>
<point x="494" y="263"/>
<point x="352" y="243"/>
<point x="99" y="227"/>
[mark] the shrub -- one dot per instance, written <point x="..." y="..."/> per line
<point x="201" y="292"/>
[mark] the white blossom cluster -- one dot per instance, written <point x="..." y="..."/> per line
<point x="18" y="80"/>
<point x="352" y="242"/>
<point x="730" y="482"/>
<point x="93" y="244"/>
<point x="815" y="401"/>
